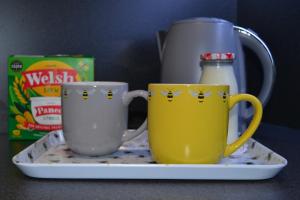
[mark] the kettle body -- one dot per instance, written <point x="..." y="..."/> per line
<point x="186" y="40"/>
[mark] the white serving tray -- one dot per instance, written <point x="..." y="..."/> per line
<point x="49" y="157"/>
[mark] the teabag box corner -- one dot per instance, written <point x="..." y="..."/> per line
<point x="34" y="91"/>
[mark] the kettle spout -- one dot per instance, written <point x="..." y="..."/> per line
<point x="160" y="38"/>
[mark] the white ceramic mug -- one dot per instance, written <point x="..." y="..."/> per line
<point x="95" y="116"/>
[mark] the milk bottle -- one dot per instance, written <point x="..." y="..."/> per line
<point x="217" y="69"/>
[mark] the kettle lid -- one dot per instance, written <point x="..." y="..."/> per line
<point x="202" y="20"/>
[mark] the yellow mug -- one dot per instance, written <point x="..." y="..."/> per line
<point x="188" y="123"/>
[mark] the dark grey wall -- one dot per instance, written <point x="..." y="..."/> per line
<point x="277" y="22"/>
<point x="120" y="34"/>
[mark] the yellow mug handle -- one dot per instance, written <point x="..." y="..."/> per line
<point x="258" y="110"/>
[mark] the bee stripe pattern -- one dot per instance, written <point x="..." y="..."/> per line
<point x="109" y="93"/>
<point x="65" y="93"/>
<point x="85" y="95"/>
<point x="170" y="94"/>
<point x="200" y="95"/>
<point x="223" y="95"/>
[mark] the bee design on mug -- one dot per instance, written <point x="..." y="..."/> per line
<point x="223" y="95"/>
<point x="200" y="95"/>
<point x="66" y="93"/>
<point x="150" y="94"/>
<point x="170" y="94"/>
<point x="86" y="93"/>
<point x="109" y="93"/>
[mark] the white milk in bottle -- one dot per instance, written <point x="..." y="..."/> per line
<point x="217" y="69"/>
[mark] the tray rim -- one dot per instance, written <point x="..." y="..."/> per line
<point x="277" y="166"/>
<point x="283" y="164"/>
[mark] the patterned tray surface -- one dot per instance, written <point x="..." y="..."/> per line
<point x="52" y="150"/>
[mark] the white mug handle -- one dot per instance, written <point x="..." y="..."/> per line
<point x="127" y="98"/>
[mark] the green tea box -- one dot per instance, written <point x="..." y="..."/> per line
<point x="34" y="89"/>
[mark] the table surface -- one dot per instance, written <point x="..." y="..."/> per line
<point x="286" y="185"/>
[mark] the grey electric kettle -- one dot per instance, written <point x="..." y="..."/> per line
<point x="181" y="46"/>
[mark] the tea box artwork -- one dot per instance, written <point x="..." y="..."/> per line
<point x="34" y="90"/>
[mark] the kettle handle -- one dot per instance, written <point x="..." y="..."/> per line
<point x="252" y="41"/>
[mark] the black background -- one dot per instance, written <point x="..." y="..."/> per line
<point x="277" y="22"/>
<point x="120" y="34"/>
